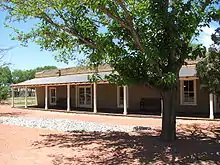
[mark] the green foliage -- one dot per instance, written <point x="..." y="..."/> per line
<point x="144" y="41"/>
<point x="216" y="36"/>
<point x="4" y="91"/>
<point x="5" y="75"/>
<point x="38" y="69"/>
<point x="208" y="69"/>
<point x="23" y="75"/>
<point x="5" y="80"/>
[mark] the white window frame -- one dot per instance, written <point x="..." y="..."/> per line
<point x="53" y="88"/>
<point x="182" y="91"/>
<point x="118" y="97"/>
<point x="84" y="105"/>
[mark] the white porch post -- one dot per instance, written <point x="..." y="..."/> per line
<point x="68" y="97"/>
<point x="94" y="97"/>
<point x="12" y="97"/>
<point x="25" y="97"/>
<point x="35" y="94"/>
<point x="161" y="104"/>
<point x="76" y="96"/>
<point x="125" y="100"/>
<point x="215" y="103"/>
<point x="46" y="97"/>
<point x="211" y="106"/>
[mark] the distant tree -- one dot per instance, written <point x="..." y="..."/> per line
<point x="208" y="68"/>
<point x="19" y="76"/>
<point x="23" y="75"/>
<point x="5" y="75"/>
<point x="5" y="81"/>
<point x="4" y="92"/>
<point x="38" y="69"/>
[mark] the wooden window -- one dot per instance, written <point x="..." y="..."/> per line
<point x="188" y="92"/>
<point x="85" y="96"/>
<point x="53" y="96"/>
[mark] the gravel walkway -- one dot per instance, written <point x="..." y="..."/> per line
<point x="67" y="125"/>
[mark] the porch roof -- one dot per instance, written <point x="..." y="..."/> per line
<point x="68" y="79"/>
<point x="188" y="71"/>
<point x="185" y="71"/>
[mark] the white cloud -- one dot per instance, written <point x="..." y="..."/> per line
<point x="208" y="30"/>
<point x="205" y="36"/>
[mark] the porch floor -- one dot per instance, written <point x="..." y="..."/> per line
<point x="63" y="113"/>
<point x="131" y="113"/>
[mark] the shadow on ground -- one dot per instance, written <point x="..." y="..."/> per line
<point x="196" y="144"/>
<point x="12" y="114"/>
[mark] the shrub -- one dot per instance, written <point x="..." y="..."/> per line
<point x="4" y="91"/>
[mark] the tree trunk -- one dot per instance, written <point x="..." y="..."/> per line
<point x="169" y="115"/>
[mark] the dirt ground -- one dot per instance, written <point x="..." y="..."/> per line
<point x="198" y="142"/>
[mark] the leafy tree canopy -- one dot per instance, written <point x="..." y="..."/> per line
<point x="216" y="37"/>
<point x="5" y="75"/>
<point x="5" y="80"/>
<point x="23" y="75"/>
<point x="208" y="69"/>
<point x="4" y="91"/>
<point x="144" y="41"/>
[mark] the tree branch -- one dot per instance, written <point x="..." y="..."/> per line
<point x="100" y="22"/>
<point x="202" y="9"/>
<point x="127" y="14"/>
<point x="111" y="15"/>
<point x="128" y="26"/>
<point x="70" y="31"/>
<point x="130" y="22"/>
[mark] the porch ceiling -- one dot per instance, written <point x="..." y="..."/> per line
<point x="68" y="79"/>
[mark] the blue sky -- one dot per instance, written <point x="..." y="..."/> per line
<point x="31" y="57"/>
<point x="25" y="57"/>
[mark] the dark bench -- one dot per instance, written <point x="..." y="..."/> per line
<point x="62" y="102"/>
<point x="150" y="104"/>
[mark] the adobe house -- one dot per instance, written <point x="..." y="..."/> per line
<point x="70" y="89"/>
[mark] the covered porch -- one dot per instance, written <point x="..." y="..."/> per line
<point x="81" y="97"/>
<point x="70" y="92"/>
<point x="97" y="98"/>
<point x="74" y="93"/>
